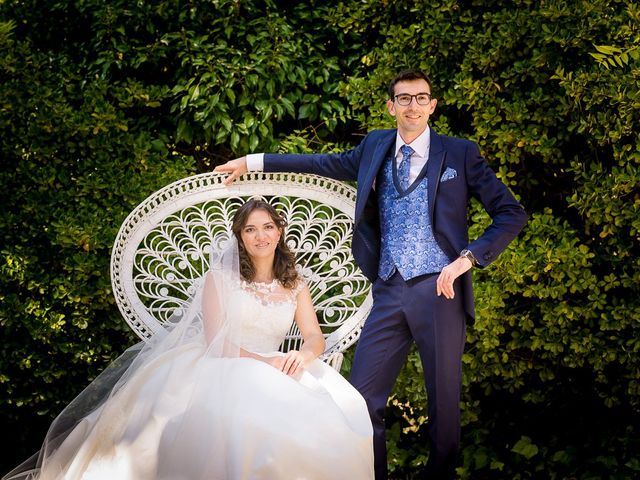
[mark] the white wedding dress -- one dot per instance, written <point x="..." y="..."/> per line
<point x="182" y="411"/>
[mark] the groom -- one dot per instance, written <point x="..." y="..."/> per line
<point x="410" y="239"/>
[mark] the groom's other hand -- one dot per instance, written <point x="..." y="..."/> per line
<point x="235" y="168"/>
<point x="444" y="283"/>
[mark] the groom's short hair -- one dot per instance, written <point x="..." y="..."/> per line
<point x="407" y="75"/>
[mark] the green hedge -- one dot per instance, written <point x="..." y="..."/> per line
<point x="100" y="105"/>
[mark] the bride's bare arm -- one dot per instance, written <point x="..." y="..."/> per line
<point x="314" y="344"/>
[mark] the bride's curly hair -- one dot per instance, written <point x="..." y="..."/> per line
<point x="284" y="263"/>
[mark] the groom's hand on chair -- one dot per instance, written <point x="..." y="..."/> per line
<point x="235" y="168"/>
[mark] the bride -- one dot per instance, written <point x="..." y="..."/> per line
<point x="210" y="397"/>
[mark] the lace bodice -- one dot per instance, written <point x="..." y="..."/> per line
<point x="265" y="313"/>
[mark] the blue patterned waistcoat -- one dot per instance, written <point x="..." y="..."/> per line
<point x="408" y="244"/>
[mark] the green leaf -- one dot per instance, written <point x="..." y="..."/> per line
<point x="525" y="448"/>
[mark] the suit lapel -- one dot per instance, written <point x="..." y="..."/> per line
<point x="379" y="154"/>
<point x="434" y="169"/>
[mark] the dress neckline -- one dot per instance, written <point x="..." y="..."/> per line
<point x="262" y="287"/>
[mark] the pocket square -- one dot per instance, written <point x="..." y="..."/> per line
<point x="448" y="174"/>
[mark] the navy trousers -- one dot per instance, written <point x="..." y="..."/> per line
<point x="404" y="312"/>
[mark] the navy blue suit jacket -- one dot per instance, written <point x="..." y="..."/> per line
<point x="448" y="200"/>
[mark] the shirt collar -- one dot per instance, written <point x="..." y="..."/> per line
<point x="420" y="145"/>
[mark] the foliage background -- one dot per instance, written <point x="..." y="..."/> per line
<point x="102" y="103"/>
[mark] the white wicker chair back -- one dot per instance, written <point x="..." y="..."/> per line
<point x="165" y="243"/>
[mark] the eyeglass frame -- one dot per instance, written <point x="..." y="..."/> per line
<point x="395" y="98"/>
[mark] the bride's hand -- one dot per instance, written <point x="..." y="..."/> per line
<point x="275" y="362"/>
<point x="292" y="363"/>
<point x="295" y="362"/>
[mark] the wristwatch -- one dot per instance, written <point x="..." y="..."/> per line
<point x="466" y="253"/>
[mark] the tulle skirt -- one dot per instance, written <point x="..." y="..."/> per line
<point x="185" y="415"/>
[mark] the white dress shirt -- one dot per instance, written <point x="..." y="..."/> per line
<point x="420" y="153"/>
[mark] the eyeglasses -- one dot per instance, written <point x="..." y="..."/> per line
<point x="404" y="99"/>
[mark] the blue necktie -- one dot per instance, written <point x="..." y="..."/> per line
<point x="405" y="166"/>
